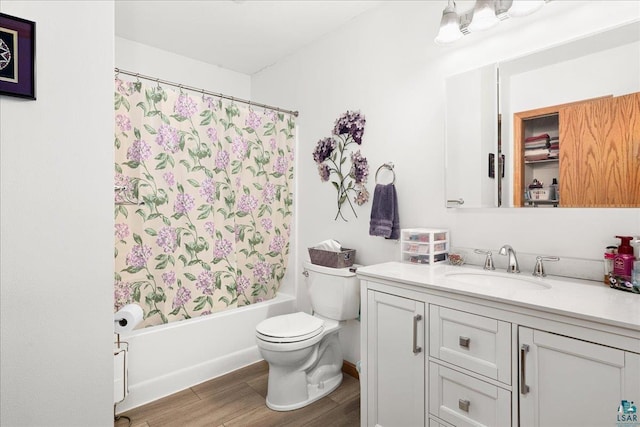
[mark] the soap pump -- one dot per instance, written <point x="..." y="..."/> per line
<point x="625" y="245"/>
<point x="623" y="260"/>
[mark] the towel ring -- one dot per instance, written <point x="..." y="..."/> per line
<point x="388" y="166"/>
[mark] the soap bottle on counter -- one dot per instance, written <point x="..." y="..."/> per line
<point x="553" y="190"/>
<point x="623" y="260"/>
<point x="609" y="255"/>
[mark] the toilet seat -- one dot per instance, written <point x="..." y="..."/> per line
<point x="289" y="328"/>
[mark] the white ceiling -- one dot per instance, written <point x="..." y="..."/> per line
<point x="243" y="36"/>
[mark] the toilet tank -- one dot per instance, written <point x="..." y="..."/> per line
<point x="334" y="292"/>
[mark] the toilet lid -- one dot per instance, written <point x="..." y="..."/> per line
<point x="290" y="327"/>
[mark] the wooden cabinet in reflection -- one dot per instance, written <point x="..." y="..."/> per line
<point x="598" y="164"/>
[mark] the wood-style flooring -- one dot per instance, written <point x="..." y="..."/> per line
<point x="238" y="399"/>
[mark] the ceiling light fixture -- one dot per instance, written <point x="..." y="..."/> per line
<point x="484" y="15"/>
<point x="449" y="25"/>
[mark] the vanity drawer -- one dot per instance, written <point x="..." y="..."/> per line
<point x="466" y="401"/>
<point x="480" y="344"/>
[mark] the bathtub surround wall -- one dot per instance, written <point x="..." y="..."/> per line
<point x="396" y="74"/>
<point x="56" y="223"/>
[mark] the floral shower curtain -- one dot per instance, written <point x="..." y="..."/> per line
<point x="203" y="202"/>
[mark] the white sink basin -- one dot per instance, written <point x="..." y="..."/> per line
<point x="492" y="279"/>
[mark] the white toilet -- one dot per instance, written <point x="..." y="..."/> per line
<point x="303" y="351"/>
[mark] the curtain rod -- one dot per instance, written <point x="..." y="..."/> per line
<point x="195" y="89"/>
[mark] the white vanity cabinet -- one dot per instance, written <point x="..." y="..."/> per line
<point x="435" y="354"/>
<point x="568" y="382"/>
<point x="395" y="374"/>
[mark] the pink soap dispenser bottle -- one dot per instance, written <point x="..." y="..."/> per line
<point x="623" y="260"/>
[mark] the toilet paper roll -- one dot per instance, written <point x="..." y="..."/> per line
<point x="127" y="318"/>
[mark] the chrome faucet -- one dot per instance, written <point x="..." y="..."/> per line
<point x="513" y="261"/>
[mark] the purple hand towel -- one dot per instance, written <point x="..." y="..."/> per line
<point x="385" y="220"/>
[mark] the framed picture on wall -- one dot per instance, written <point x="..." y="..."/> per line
<point x="17" y="57"/>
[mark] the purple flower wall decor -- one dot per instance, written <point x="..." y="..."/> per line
<point x="331" y="156"/>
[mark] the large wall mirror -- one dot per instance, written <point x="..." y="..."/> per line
<point x="557" y="128"/>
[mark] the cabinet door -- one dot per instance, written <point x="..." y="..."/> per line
<point x="472" y="134"/>
<point x="600" y="153"/>
<point x="395" y="361"/>
<point x="567" y="382"/>
<point x="628" y="173"/>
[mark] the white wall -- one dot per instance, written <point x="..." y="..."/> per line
<point x="153" y="62"/>
<point x="56" y="218"/>
<point x="386" y="64"/>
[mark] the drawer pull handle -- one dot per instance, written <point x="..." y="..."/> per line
<point x="524" y="388"/>
<point x="463" y="405"/>
<point x="416" y="319"/>
<point x="464" y="342"/>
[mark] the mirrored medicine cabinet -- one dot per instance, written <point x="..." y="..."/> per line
<point x="556" y="128"/>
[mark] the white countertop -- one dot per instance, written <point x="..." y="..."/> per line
<point x="577" y="298"/>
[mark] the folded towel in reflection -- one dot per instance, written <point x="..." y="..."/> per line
<point x="536" y="158"/>
<point x="537" y="152"/>
<point x="385" y="220"/>
<point x="536" y="144"/>
<point x="544" y="136"/>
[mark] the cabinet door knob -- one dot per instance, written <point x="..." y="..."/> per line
<point x="463" y="405"/>
<point x="464" y="342"/>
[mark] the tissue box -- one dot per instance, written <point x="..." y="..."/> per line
<point x="342" y="259"/>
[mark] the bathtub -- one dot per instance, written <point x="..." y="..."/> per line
<point x="165" y="359"/>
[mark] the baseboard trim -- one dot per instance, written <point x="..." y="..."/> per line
<point x="148" y="391"/>
<point x="350" y="369"/>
